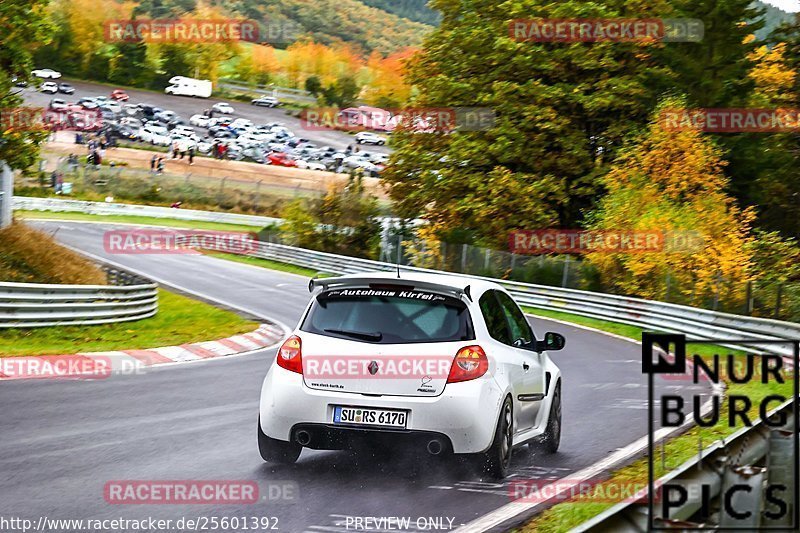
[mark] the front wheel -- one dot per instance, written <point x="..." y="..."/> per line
<point x="277" y="451"/>
<point x="551" y="439"/>
<point x="497" y="460"/>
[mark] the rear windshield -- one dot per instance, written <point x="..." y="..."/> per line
<point x="389" y="316"/>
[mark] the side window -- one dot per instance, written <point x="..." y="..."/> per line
<point x="520" y="329"/>
<point x="494" y="317"/>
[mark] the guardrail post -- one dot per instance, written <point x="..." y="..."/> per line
<point x="743" y="502"/>
<point x="565" y="274"/>
<point x="778" y="298"/>
<point x="780" y="464"/>
<point x="258" y="197"/>
<point x="6" y="194"/>
<point x="486" y="259"/>
<point x="748" y="302"/>
<point x="464" y="258"/>
<point x="221" y="190"/>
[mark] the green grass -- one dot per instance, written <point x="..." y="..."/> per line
<point x="265" y="263"/>
<point x="129" y="219"/>
<point x="179" y="320"/>
<point x="564" y="516"/>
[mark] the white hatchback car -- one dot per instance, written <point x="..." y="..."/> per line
<point x="443" y="363"/>
<point x="223" y="107"/>
<point x="199" y="120"/>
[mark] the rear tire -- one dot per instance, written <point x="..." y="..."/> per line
<point x="277" y="451"/>
<point x="497" y="459"/>
<point x="551" y="439"/>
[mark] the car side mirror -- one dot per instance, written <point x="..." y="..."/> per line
<point x="552" y="342"/>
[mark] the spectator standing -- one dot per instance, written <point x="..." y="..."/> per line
<point x="153" y="161"/>
<point x="160" y="165"/>
<point x="191" y="155"/>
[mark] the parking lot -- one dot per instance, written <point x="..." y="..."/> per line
<point x="260" y="134"/>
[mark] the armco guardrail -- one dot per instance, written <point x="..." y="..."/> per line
<point x="697" y="323"/>
<point x="717" y="468"/>
<point x="103" y="208"/>
<point x="277" y="92"/>
<point x="31" y="305"/>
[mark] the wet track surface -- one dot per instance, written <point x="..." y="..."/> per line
<point x="63" y="440"/>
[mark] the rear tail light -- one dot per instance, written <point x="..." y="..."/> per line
<point x="290" y="355"/>
<point x="470" y="363"/>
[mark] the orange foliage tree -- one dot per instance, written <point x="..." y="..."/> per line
<point x="673" y="182"/>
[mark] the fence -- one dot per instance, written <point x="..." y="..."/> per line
<point x="280" y="93"/>
<point x="765" y="300"/>
<point x="202" y="184"/>
<point x="108" y="208"/>
<point x="735" y="461"/>
<point x="30" y="305"/>
<point x="662" y="316"/>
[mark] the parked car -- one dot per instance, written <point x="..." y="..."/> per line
<point x="46" y="73"/>
<point x="49" y="87"/>
<point x="266" y="101"/>
<point x="133" y="122"/>
<point x="310" y="164"/>
<point x="149" y="111"/>
<point x="131" y="109"/>
<point x="112" y="106"/>
<point x="57" y="104"/>
<point x="119" y="95"/>
<point x="182" y="129"/>
<point x="87" y="103"/>
<point x="281" y="159"/>
<point x="223" y="120"/>
<point x="366" y="137"/>
<point x="66" y="88"/>
<point x="223" y="107"/>
<point x="221" y="132"/>
<point x="165" y="116"/>
<point x="156" y="135"/>
<point x="199" y="121"/>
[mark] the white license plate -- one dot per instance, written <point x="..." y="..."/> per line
<point x="360" y="416"/>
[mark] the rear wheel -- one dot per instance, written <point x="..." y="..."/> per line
<point x="497" y="459"/>
<point x="277" y="451"/>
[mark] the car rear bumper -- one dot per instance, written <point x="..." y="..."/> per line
<point x="465" y="414"/>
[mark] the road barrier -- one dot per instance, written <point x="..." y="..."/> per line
<point x="697" y="323"/>
<point x="32" y="305"/>
<point x="717" y="467"/>
<point x="106" y="208"/>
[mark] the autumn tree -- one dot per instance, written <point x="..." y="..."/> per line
<point x="24" y="26"/>
<point x="673" y="182"/>
<point x="562" y="111"/>
<point x="385" y="84"/>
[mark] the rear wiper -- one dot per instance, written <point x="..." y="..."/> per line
<point x="357" y="334"/>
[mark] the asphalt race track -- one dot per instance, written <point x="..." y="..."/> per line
<point x="186" y="106"/>
<point x="63" y="440"/>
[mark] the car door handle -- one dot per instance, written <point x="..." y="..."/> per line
<point x="526" y="366"/>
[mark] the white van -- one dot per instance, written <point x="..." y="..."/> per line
<point x="182" y="86"/>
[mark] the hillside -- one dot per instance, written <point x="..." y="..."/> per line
<point x="416" y="10"/>
<point x="773" y="18"/>
<point x="331" y="21"/>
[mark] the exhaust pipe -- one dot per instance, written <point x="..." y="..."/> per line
<point x="303" y="437"/>
<point x="435" y="446"/>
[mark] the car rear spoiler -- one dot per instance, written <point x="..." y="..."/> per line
<point x="341" y="282"/>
